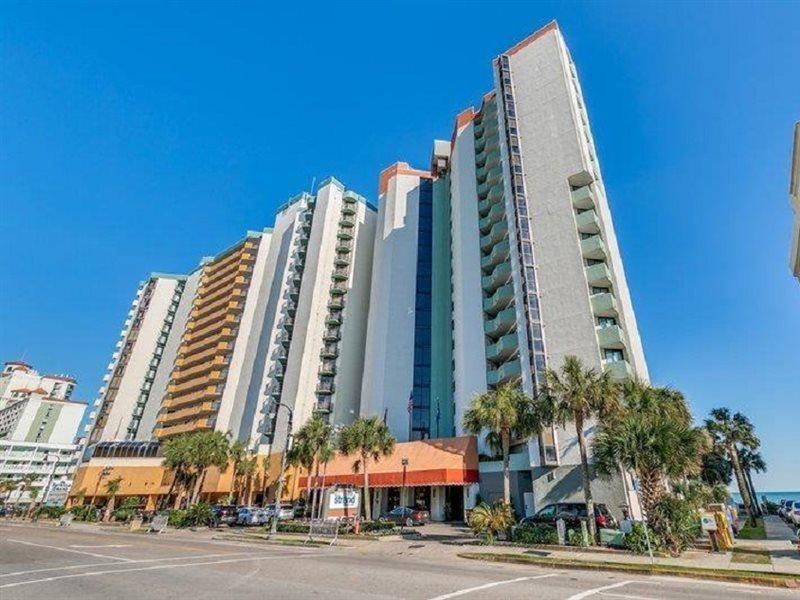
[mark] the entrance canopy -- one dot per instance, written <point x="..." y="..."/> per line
<point x="445" y="461"/>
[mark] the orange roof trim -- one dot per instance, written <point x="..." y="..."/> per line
<point x="463" y="119"/>
<point x="551" y="26"/>
<point x="399" y="168"/>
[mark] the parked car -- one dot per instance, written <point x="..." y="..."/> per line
<point x="794" y="516"/>
<point x="286" y="512"/>
<point x="786" y="509"/>
<point x="224" y="514"/>
<point x="251" y="515"/>
<point x="572" y="513"/>
<point x="405" y="515"/>
<point x="781" y="507"/>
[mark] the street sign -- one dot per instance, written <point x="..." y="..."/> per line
<point x="57" y="495"/>
<point x="343" y="498"/>
<point x="159" y="523"/>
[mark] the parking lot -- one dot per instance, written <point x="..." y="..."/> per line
<point x="92" y="563"/>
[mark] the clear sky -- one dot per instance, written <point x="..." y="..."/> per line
<point x="139" y="138"/>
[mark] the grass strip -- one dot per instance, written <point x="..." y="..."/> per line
<point x="753" y="556"/>
<point x="785" y="580"/>
<point x="275" y="540"/>
<point x="749" y="532"/>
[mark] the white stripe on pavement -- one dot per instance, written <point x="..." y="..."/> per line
<point x="153" y="568"/>
<point x="594" y="591"/>
<point x="100" y="546"/>
<point x="627" y="596"/>
<point x="137" y="561"/>
<point x="489" y="585"/>
<point x="70" y="550"/>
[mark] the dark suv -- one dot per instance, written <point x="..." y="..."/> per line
<point x="572" y="513"/>
<point x="224" y="514"/>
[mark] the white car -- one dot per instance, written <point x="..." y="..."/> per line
<point x="786" y="510"/>
<point x="251" y="515"/>
<point x="794" y="515"/>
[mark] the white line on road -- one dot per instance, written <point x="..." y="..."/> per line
<point x="628" y="596"/>
<point x="70" y="550"/>
<point x="153" y="568"/>
<point x="594" y="591"/>
<point x="100" y="546"/>
<point x="489" y="585"/>
<point x="106" y="564"/>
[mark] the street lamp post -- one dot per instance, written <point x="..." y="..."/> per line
<point x="404" y="462"/>
<point x="279" y="489"/>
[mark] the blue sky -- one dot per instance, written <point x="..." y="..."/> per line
<point x="138" y="138"/>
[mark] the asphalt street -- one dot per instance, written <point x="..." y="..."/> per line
<point x="72" y="564"/>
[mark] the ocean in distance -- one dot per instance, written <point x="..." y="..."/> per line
<point x="775" y="497"/>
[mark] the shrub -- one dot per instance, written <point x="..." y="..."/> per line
<point x="177" y="518"/>
<point x="535" y="534"/>
<point x="292" y="527"/>
<point x="677" y="523"/>
<point x="636" y="541"/>
<point x="50" y="512"/>
<point x="86" y="512"/>
<point x="127" y="510"/>
<point x="491" y="520"/>
<point x="575" y="538"/>
<point x="379" y="526"/>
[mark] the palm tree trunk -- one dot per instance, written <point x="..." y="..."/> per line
<point x="651" y="485"/>
<point x="308" y="489"/>
<point x="752" y="489"/>
<point x="199" y="487"/>
<point x="505" y="442"/>
<point x="171" y="489"/>
<point x="313" y="503"/>
<point x="740" y="482"/>
<point x="367" y="507"/>
<point x="587" y="488"/>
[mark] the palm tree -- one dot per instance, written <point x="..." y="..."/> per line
<point x="25" y="482"/>
<point x="314" y="438"/>
<point x="505" y="413"/>
<point x="302" y="455"/>
<point x="207" y="449"/>
<point x="716" y="468"/>
<point x="752" y="461"/>
<point x="112" y="489"/>
<point x="578" y="394"/>
<point x="244" y="467"/>
<point x="651" y="437"/>
<point x="7" y="485"/>
<point x="491" y="520"/>
<point x="177" y="460"/>
<point x="266" y="463"/>
<point x="370" y="438"/>
<point x="324" y="456"/>
<point x="731" y="432"/>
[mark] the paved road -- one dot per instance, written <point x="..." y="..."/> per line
<point x="73" y="564"/>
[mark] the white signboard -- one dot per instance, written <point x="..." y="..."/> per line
<point x="57" y="495"/>
<point x="343" y="498"/>
<point x="708" y="522"/>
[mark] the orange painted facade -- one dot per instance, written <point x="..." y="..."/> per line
<point x="150" y="481"/>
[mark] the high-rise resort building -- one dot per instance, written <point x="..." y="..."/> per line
<point x="794" y="198"/>
<point x="506" y="250"/>
<point x="489" y="266"/>
<point x="278" y="317"/>
<point x="39" y="422"/>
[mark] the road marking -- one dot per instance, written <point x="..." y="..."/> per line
<point x="70" y="550"/>
<point x="100" y="546"/>
<point x="106" y="564"/>
<point x="628" y="596"/>
<point x="489" y="585"/>
<point x="154" y="567"/>
<point x="594" y="591"/>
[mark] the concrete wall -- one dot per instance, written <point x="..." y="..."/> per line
<point x="389" y="358"/>
<point x="159" y="388"/>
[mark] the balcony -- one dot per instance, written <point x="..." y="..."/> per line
<point x="503" y="349"/>
<point x="598" y="274"/>
<point x="604" y="305"/>
<point x="340" y="274"/>
<point x="501" y="275"/>
<point x="325" y="388"/>
<point x="498" y="233"/>
<point x="293" y="292"/>
<point x="583" y="198"/>
<point x="342" y="261"/>
<point x="593" y="247"/>
<point x="494" y="215"/>
<point x="324" y="405"/>
<point x="501" y="299"/>
<point x="610" y="337"/>
<point x="347" y="223"/>
<point x="618" y="369"/>
<point x="286" y="323"/>
<point x="338" y="289"/>
<point x="349" y="209"/>
<point x="504" y="322"/>
<point x="343" y="246"/>
<point x="344" y="234"/>
<point x="336" y="303"/>
<point x="329" y="351"/>
<point x="500" y="253"/>
<point x="510" y="371"/>
<point x="332" y="334"/>
<point x="327" y="368"/>
<point x="588" y="222"/>
<point x="281" y="355"/>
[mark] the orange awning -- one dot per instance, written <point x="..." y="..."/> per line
<point x="446" y="461"/>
